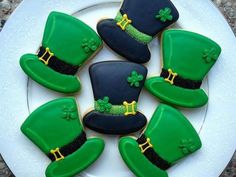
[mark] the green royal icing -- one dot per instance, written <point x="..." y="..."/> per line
<point x="134" y="79"/>
<point x="164" y="15"/>
<point x="89" y="45"/>
<point x="48" y="128"/>
<point x="63" y="35"/>
<point x="69" y="113"/>
<point x="170" y="134"/>
<point x="135" y="33"/>
<point x="103" y="106"/>
<point x="188" y="47"/>
<point x="66" y="36"/>
<point x="191" y="56"/>
<point x="210" y="54"/>
<point x="187" y="146"/>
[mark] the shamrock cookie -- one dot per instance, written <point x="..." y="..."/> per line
<point x="116" y="87"/>
<point x="168" y="138"/>
<point x="67" y="44"/>
<point x="187" y="58"/>
<point x="135" y="25"/>
<point x="56" y="129"/>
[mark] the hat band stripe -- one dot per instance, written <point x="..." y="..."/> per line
<point x="60" y="153"/>
<point x="125" y="24"/>
<point x="107" y="108"/>
<point x="150" y="154"/>
<point x="175" y="79"/>
<point x="49" y="59"/>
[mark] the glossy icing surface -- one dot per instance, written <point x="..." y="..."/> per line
<point x="172" y="94"/>
<point x="123" y="45"/>
<point x="110" y="79"/>
<point x="143" y="14"/>
<point x="47" y="77"/>
<point x="47" y="126"/>
<point x="190" y="56"/>
<point x="69" y="38"/>
<point x="114" y="83"/>
<point x="141" y="20"/>
<point x="172" y="143"/>
<point x="167" y="142"/>
<point x="71" y="41"/>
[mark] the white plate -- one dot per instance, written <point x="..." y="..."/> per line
<point x="215" y="122"/>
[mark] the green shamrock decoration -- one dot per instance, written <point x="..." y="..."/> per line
<point x="164" y="15"/>
<point x="187" y="146"/>
<point x="69" y="113"/>
<point x="209" y="55"/>
<point x="103" y="105"/>
<point x="134" y="79"/>
<point x="89" y="45"/>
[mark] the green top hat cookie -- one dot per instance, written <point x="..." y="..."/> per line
<point x="187" y="58"/>
<point x="67" y="44"/>
<point x="56" y="129"/>
<point x="168" y="138"/>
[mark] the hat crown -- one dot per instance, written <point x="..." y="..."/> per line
<point x="189" y="54"/>
<point x="118" y="80"/>
<point x="69" y="39"/>
<point x="143" y="14"/>
<point x="176" y="141"/>
<point x="53" y="124"/>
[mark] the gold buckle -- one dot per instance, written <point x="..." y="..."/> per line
<point x="129" y="105"/>
<point x="47" y="59"/>
<point x="148" y="142"/>
<point x="124" y="22"/>
<point x="172" y="75"/>
<point x="57" y="152"/>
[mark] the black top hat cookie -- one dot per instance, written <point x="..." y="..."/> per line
<point x="116" y="87"/>
<point x="135" y="25"/>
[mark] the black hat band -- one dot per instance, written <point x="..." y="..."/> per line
<point x="147" y="149"/>
<point x="49" y="59"/>
<point x="60" y="153"/>
<point x="175" y="79"/>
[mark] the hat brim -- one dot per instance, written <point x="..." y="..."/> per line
<point x="183" y="97"/>
<point x="122" y="43"/>
<point x="47" y="77"/>
<point x="136" y="161"/>
<point x="77" y="161"/>
<point x="114" y="124"/>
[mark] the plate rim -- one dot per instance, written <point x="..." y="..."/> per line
<point x="71" y="11"/>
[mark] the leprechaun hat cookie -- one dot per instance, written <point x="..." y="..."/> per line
<point x="67" y="43"/>
<point x="116" y="87"/>
<point x="135" y="25"/>
<point x="56" y="129"/>
<point x="168" y="138"/>
<point x="187" y="58"/>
